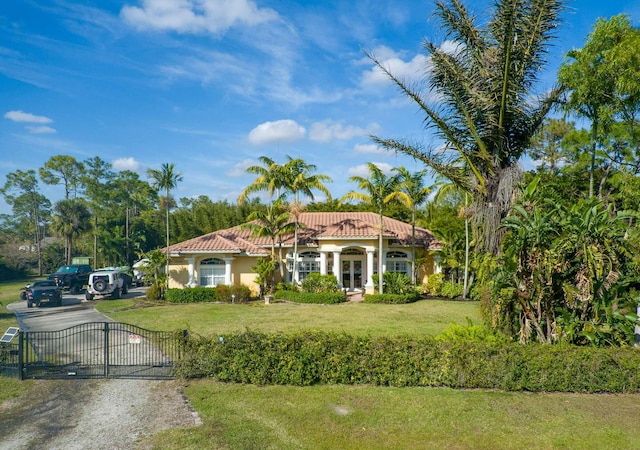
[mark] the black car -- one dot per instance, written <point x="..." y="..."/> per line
<point x="72" y="277"/>
<point x="44" y="292"/>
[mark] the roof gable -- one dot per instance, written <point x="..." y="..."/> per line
<point x="314" y="226"/>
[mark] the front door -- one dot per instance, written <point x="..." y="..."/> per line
<point x="352" y="274"/>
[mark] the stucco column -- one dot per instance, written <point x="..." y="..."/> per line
<point x="384" y="260"/>
<point x="336" y="267"/>
<point x="192" y="261"/>
<point x="227" y="271"/>
<point x="370" y="254"/>
<point x="323" y="263"/>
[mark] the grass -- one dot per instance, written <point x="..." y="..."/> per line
<point x="238" y="416"/>
<point x="427" y="317"/>
<point x="364" y="417"/>
<point x="9" y="293"/>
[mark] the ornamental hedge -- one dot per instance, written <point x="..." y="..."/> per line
<point x="221" y="293"/>
<point x="311" y="358"/>
<point x="326" y="298"/>
<point x="392" y="299"/>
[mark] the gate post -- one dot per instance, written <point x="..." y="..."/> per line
<point x="20" y="355"/>
<point x="106" y="349"/>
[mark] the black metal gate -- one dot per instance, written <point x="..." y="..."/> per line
<point x="99" y="350"/>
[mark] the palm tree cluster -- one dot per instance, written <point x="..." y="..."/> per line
<point x="483" y="115"/>
<point x="295" y="177"/>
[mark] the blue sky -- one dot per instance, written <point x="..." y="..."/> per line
<point x="211" y="85"/>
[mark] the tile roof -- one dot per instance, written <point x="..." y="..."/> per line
<point x="314" y="227"/>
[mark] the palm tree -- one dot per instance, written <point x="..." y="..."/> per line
<point x="412" y="184"/>
<point x="379" y="190"/>
<point x="272" y="177"/>
<point x="166" y="178"/>
<point x="484" y="114"/>
<point x="272" y="223"/>
<point x="71" y="218"/>
<point x="443" y="190"/>
<point x="301" y="180"/>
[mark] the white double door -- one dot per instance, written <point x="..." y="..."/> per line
<point x="352" y="273"/>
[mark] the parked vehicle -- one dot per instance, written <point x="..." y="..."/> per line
<point x="108" y="282"/>
<point x="24" y="290"/>
<point x="72" y="277"/>
<point x="44" y="292"/>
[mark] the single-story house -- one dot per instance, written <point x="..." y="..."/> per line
<point x="344" y="244"/>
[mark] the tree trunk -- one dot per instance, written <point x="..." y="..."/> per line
<point x="380" y="274"/>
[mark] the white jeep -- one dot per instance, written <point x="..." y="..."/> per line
<point x="106" y="283"/>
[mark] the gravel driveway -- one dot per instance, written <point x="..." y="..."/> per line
<point x="93" y="414"/>
<point x="88" y="414"/>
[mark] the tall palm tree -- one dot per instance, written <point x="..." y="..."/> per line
<point x="445" y="189"/>
<point x="272" y="223"/>
<point x="380" y="189"/>
<point x="166" y="178"/>
<point x="271" y="177"/>
<point x="482" y="88"/>
<point x="302" y="180"/>
<point x="412" y="184"/>
<point x="71" y="218"/>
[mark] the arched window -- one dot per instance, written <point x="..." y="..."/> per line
<point x="397" y="262"/>
<point x="308" y="262"/>
<point x="352" y="251"/>
<point x="211" y="272"/>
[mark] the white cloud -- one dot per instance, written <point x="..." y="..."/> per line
<point x="363" y="170"/>
<point x="125" y="164"/>
<point x="21" y="116"/>
<point x="369" y="149"/>
<point x="328" y="130"/>
<point x="195" y="16"/>
<point x="279" y="131"/>
<point x="409" y="71"/>
<point x="43" y="129"/>
<point x="239" y="169"/>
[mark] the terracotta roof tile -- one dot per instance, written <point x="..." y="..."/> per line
<point x="314" y="226"/>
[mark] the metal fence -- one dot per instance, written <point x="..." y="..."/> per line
<point x="97" y="350"/>
<point x="10" y="359"/>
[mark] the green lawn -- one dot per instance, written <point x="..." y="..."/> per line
<point x="9" y="293"/>
<point x="364" y="417"/>
<point x="427" y="317"/>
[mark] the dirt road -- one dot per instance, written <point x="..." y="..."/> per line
<point x="93" y="414"/>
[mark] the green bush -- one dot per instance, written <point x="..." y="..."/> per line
<point x="434" y="284"/>
<point x="154" y="292"/>
<point x="315" y="283"/>
<point x="224" y="293"/>
<point x="328" y="358"/>
<point x="393" y="283"/>
<point x="392" y="299"/>
<point x="191" y="295"/>
<point x="284" y="286"/>
<point x="220" y="293"/>
<point x="315" y="297"/>
<point x="451" y="290"/>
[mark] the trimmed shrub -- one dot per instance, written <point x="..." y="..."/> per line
<point x="316" y="283"/>
<point x="329" y="358"/>
<point x="220" y="293"/>
<point x="226" y="293"/>
<point x="191" y="295"/>
<point x="392" y="299"/>
<point x="434" y="284"/>
<point x="313" y="297"/>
